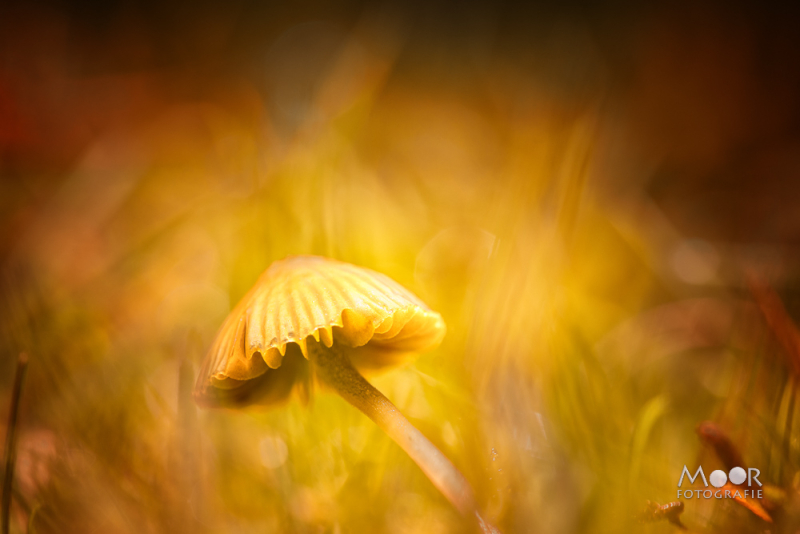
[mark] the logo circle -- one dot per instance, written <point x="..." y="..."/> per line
<point x="718" y="478"/>
<point x="737" y="475"/>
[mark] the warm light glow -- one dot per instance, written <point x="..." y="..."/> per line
<point x="598" y="203"/>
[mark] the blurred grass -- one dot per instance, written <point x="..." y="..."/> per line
<point x="587" y="334"/>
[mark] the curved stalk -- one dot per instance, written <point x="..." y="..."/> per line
<point x="333" y="367"/>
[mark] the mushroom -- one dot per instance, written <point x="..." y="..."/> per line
<point x="343" y="319"/>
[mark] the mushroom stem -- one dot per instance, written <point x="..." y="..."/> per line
<point x="334" y="368"/>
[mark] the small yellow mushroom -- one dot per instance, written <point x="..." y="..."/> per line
<point x="343" y="319"/>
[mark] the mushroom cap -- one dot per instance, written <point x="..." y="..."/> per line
<point x="311" y="296"/>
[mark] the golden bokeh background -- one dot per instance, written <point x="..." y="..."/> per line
<point x="586" y="193"/>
